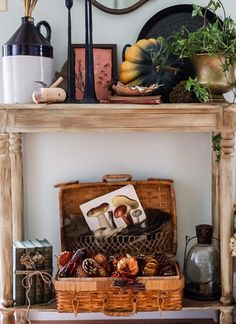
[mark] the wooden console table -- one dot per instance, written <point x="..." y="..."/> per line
<point x="18" y="119"/>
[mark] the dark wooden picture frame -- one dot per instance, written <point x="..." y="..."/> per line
<point x="118" y="11"/>
<point x="105" y="69"/>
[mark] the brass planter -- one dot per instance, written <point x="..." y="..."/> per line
<point x="210" y="73"/>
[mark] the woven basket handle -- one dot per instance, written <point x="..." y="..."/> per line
<point x="114" y="177"/>
<point x="119" y="313"/>
<point x="161" y="301"/>
<point x="75" y="305"/>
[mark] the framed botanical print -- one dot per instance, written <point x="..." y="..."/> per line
<point x="105" y="69"/>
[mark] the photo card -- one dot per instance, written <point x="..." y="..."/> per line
<point x="109" y="214"/>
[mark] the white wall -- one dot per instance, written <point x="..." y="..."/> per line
<point x="53" y="158"/>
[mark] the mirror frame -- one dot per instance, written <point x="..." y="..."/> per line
<point x="118" y="11"/>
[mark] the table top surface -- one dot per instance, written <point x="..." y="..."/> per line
<point x="27" y="118"/>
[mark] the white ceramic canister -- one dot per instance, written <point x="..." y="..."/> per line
<point x="27" y="59"/>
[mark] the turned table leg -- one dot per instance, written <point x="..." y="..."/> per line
<point x="226" y="222"/>
<point x="21" y="317"/>
<point x="7" y="318"/>
<point x="17" y="186"/>
<point x="6" y="268"/>
<point x="226" y="316"/>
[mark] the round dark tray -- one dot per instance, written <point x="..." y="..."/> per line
<point x="172" y="19"/>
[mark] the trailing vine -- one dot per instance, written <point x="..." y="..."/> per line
<point x="216" y="145"/>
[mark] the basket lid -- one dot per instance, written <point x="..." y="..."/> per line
<point x="157" y="233"/>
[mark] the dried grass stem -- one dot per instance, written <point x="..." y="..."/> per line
<point x="29" y="6"/>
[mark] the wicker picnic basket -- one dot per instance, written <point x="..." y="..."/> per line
<point x="97" y="294"/>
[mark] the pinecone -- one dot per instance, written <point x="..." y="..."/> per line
<point x="168" y="269"/>
<point x="101" y="260"/>
<point x="180" y="94"/>
<point x="90" y="266"/>
<point x="141" y="263"/>
<point x="151" y="266"/>
<point x="102" y="272"/>
<point x="80" y="273"/>
<point x="102" y="264"/>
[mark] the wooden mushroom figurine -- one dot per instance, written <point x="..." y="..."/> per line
<point x="124" y="205"/>
<point x="49" y="94"/>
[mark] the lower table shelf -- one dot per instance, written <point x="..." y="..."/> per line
<point x="187" y="305"/>
<point x="225" y="314"/>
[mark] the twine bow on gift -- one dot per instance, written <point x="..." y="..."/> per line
<point x="27" y="284"/>
<point x="31" y="262"/>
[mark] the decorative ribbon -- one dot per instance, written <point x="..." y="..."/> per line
<point x="26" y="272"/>
<point x="27" y="284"/>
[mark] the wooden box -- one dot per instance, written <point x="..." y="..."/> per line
<point x="98" y="294"/>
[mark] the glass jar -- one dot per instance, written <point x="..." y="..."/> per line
<point x="202" y="266"/>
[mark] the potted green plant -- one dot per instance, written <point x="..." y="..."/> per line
<point x="212" y="49"/>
